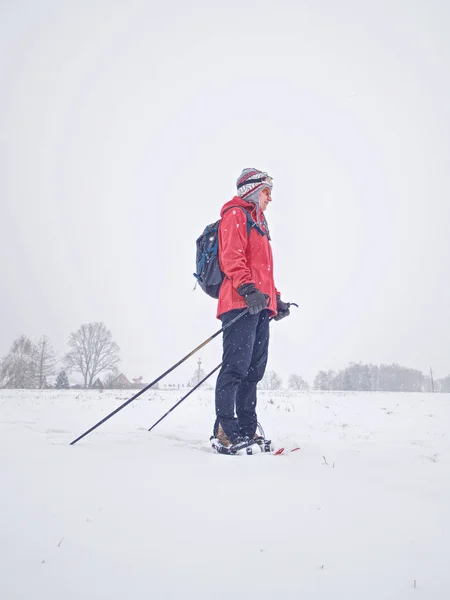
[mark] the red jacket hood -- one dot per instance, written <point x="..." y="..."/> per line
<point x="236" y="201"/>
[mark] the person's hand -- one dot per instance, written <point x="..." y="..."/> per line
<point x="256" y="300"/>
<point x="282" y="309"/>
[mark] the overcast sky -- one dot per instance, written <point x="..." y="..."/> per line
<point x="123" y="128"/>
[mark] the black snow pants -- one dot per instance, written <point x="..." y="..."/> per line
<point x="245" y="351"/>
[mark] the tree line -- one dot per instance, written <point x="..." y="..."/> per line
<point x="92" y="352"/>
<point x="379" y="378"/>
<point x="364" y="378"/>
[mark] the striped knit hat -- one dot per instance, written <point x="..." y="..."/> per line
<point x="251" y="182"/>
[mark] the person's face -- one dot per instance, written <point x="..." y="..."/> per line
<point x="264" y="199"/>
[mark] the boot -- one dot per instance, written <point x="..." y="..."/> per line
<point x="243" y="445"/>
<point x="222" y="437"/>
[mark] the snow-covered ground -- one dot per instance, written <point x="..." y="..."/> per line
<point x="361" y="512"/>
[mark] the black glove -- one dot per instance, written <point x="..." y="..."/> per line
<point x="282" y="309"/>
<point x="256" y="300"/>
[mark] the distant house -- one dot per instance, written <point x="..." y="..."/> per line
<point x="137" y="383"/>
<point x="120" y="382"/>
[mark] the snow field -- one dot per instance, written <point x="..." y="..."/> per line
<point x="360" y="512"/>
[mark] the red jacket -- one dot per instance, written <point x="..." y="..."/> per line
<point x="243" y="259"/>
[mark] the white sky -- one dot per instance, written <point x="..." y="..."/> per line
<point x="124" y="125"/>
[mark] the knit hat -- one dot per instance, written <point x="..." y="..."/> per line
<point x="251" y="182"/>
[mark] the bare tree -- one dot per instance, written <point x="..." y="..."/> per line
<point x="296" y="382"/>
<point x="17" y="369"/>
<point x="92" y="352"/>
<point x="44" y="360"/>
<point x="270" y="381"/>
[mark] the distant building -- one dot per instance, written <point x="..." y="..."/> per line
<point x="137" y="383"/>
<point x="120" y="382"/>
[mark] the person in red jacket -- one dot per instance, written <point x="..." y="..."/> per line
<point x="246" y="260"/>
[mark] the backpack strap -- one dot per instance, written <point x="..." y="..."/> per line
<point x="251" y="224"/>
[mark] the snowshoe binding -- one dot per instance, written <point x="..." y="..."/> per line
<point x="264" y="445"/>
<point x="244" y="445"/>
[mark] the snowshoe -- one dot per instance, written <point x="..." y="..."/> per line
<point x="243" y="446"/>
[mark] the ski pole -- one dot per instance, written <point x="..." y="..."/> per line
<point x="200" y="383"/>
<point x="114" y="412"/>
<point x="184" y="397"/>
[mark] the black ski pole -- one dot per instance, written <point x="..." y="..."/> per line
<point x="200" y="383"/>
<point x="184" y="397"/>
<point x="158" y="378"/>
